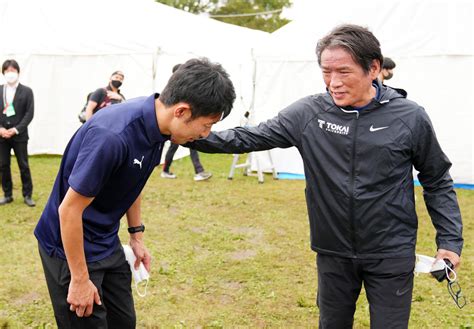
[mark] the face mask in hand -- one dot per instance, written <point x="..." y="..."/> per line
<point x="140" y="276"/>
<point x="116" y="83"/>
<point x="441" y="270"/>
<point x="426" y="264"/>
<point x="11" y="77"/>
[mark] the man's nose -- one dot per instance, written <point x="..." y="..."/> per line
<point x="205" y="133"/>
<point x="335" y="81"/>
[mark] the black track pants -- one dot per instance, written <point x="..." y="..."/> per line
<point x="388" y="284"/>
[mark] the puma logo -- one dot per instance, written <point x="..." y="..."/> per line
<point x="136" y="162"/>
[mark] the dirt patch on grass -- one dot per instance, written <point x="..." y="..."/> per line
<point x="254" y="235"/>
<point x="242" y="254"/>
<point x="201" y="253"/>
<point x="198" y="230"/>
<point x="174" y="211"/>
<point x="27" y="298"/>
<point x="226" y="300"/>
<point x="231" y="285"/>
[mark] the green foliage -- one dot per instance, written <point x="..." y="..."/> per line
<point x="265" y="22"/>
<point x="192" y="6"/>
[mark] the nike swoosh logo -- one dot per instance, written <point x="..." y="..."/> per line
<point x="372" y="129"/>
<point x="402" y="292"/>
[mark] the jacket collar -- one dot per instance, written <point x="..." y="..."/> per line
<point x="386" y="94"/>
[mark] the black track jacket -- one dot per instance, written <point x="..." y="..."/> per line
<point x="358" y="168"/>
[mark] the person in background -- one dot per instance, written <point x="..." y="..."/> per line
<point x="386" y="73"/>
<point x="17" y="113"/>
<point x="109" y="95"/>
<point x="200" y="173"/>
<point x="387" y="69"/>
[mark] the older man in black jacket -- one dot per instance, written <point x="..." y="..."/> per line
<point x="359" y="142"/>
<point x="16" y="115"/>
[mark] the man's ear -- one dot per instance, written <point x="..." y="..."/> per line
<point x="375" y="69"/>
<point x="182" y="110"/>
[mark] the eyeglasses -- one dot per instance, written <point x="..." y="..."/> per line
<point x="454" y="290"/>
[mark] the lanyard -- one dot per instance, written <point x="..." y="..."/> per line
<point x="5" y="103"/>
<point x="8" y="108"/>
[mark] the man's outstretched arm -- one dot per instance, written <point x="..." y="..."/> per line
<point x="282" y="131"/>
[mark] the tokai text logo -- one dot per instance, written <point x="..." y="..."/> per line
<point x="333" y="128"/>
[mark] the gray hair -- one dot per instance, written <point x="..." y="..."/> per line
<point x="358" y="41"/>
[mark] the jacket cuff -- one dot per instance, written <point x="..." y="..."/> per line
<point x="16" y="130"/>
<point x="451" y="247"/>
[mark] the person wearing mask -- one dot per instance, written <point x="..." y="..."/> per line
<point x="109" y="95"/>
<point x="17" y="113"/>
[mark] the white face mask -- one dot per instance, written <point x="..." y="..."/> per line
<point x="426" y="264"/>
<point x="140" y="276"/>
<point x="11" y="77"/>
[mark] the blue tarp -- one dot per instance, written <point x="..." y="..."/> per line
<point x="285" y="175"/>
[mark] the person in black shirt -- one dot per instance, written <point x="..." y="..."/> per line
<point x="109" y="95"/>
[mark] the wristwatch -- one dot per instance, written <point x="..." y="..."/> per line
<point x="136" y="229"/>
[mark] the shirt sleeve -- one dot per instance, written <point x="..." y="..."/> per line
<point x="101" y="153"/>
<point x="438" y="191"/>
<point x="98" y="95"/>
<point x="29" y="111"/>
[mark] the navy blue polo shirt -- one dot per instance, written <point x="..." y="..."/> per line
<point x="109" y="158"/>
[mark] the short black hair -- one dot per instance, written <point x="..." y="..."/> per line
<point x="388" y="63"/>
<point x="356" y="40"/>
<point x="205" y="86"/>
<point x="118" y="73"/>
<point x="175" y="68"/>
<point x="10" y="63"/>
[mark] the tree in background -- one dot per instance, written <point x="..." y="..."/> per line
<point x="255" y="14"/>
<point x="192" y="6"/>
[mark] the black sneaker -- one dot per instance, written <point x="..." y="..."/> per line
<point x="29" y="201"/>
<point x="5" y="200"/>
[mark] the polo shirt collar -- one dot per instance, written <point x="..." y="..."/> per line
<point x="150" y="121"/>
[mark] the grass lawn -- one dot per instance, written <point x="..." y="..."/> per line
<point x="226" y="254"/>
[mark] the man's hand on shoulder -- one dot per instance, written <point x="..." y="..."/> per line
<point x="452" y="256"/>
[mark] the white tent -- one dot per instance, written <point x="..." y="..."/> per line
<point x="430" y="40"/>
<point x="68" y="48"/>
